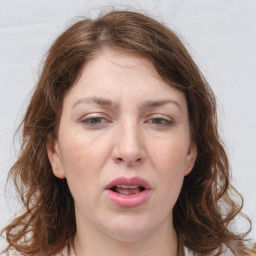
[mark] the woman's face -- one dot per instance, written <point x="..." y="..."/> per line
<point x="124" y="147"/>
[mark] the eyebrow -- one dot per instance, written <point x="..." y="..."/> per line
<point x="159" y="103"/>
<point x="109" y="103"/>
<point x="95" y="100"/>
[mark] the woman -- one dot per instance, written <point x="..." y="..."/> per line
<point x="121" y="153"/>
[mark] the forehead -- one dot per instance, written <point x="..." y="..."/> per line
<point x="120" y="62"/>
<point x="120" y="75"/>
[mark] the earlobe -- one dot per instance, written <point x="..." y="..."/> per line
<point x="191" y="158"/>
<point x="53" y="152"/>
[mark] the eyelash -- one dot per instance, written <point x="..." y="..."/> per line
<point x="164" y="122"/>
<point x="94" y="121"/>
<point x="99" y="121"/>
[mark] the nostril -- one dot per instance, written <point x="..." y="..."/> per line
<point x="128" y="160"/>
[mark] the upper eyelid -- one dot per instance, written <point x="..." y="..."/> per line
<point x="161" y="118"/>
<point x="107" y="116"/>
<point x="88" y="121"/>
<point x="158" y="115"/>
<point x="94" y="115"/>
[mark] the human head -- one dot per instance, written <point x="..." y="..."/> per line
<point x="138" y="34"/>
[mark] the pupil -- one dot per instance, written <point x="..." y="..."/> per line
<point x="157" y="120"/>
<point x="95" y="120"/>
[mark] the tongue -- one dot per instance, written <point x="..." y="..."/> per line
<point x="127" y="191"/>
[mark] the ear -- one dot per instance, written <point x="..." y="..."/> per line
<point x="53" y="152"/>
<point x="191" y="158"/>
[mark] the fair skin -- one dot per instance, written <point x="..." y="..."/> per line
<point x="120" y="119"/>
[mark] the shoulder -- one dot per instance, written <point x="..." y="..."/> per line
<point x="13" y="252"/>
<point x="188" y="252"/>
<point x="64" y="252"/>
<point x="67" y="251"/>
<point x="226" y="252"/>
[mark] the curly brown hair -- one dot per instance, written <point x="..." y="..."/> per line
<point x="205" y="208"/>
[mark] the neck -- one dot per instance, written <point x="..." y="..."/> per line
<point x="162" y="241"/>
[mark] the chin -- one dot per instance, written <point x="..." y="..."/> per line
<point x="130" y="229"/>
<point x="129" y="235"/>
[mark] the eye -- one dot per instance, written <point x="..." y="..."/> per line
<point x="160" y="121"/>
<point x="94" y="121"/>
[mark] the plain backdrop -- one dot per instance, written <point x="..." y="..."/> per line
<point x="220" y="34"/>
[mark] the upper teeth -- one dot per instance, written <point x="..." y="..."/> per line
<point x="127" y="186"/>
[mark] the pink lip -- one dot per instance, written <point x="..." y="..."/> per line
<point x="128" y="200"/>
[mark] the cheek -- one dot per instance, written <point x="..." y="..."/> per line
<point x="82" y="152"/>
<point x="170" y="165"/>
<point x="81" y="173"/>
<point x="171" y="157"/>
<point x="83" y="157"/>
<point x="171" y="172"/>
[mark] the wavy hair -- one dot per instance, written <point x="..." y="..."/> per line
<point x="205" y="208"/>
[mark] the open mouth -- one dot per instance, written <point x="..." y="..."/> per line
<point x="127" y="189"/>
<point x="128" y="192"/>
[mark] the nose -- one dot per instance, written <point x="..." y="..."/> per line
<point x="129" y="147"/>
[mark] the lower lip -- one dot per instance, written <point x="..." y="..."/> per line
<point x="128" y="200"/>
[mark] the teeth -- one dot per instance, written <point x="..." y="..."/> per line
<point x="126" y="186"/>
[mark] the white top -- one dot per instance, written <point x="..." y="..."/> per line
<point x="64" y="252"/>
<point x="187" y="252"/>
<point x="72" y="253"/>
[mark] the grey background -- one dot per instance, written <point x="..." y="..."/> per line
<point x="220" y="34"/>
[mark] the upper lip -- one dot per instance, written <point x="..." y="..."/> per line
<point x="133" y="181"/>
